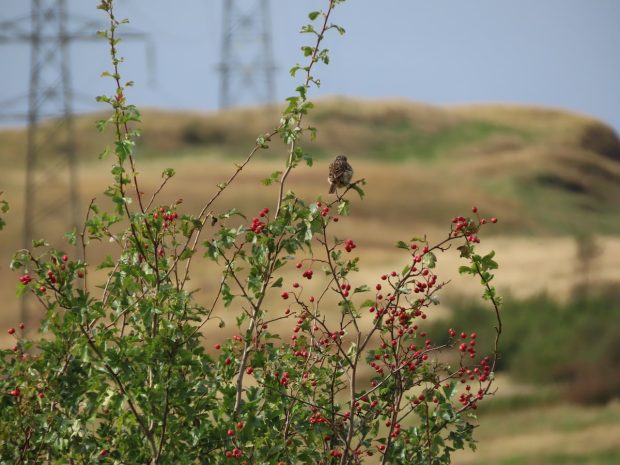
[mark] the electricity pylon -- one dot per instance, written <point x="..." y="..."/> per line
<point x="51" y="189"/>
<point x="246" y="67"/>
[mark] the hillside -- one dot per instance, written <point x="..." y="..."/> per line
<point x="543" y="170"/>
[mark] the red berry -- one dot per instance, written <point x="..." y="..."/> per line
<point x="230" y="432"/>
<point x="65" y="258"/>
<point x="474" y="209"/>
<point x="11" y="331"/>
<point x="217" y="346"/>
<point x="22" y="326"/>
<point x="284" y="295"/>
<point x="493" y="220"/>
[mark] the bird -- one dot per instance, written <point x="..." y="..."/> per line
<point x="340" y="173"/>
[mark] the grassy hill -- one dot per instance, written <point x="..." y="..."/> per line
<point x="545" y="171"/>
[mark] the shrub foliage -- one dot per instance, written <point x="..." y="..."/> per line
<point x="120" y="373"/>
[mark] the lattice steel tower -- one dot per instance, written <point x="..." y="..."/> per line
<point x="247" y="67"/>
<point x="51" y="151"/>
<point x="51" y="188"/>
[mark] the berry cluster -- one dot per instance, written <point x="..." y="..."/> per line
<point x="257" y="225"/>
<point x="166" y="216"/>
<point x="349" y="245"/>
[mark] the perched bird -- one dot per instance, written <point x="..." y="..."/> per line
<point x="340" y="173"/>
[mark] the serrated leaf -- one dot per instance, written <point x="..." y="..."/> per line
<point x="465" y="251"/>
<point x="363" y="288"/>
<point x="71" y="237"/>
<point x="106" y="263"/>
<point x="4" y="205"/>
<point x="227" y="296"/>
<point x="466" y="270"/>
<point x="187" y="253"/>
<point x="230" y="213"/>
<point x="429" y="260"/>
<point x="358" y="189"/>
<point x="273" y="177"/>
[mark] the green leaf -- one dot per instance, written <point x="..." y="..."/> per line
<point x="358" y="189"/>
<point x="227" y="296"/>
<point x="272" y="178"/>
<point x="106" y="263"/>
<point x="313" y="15"/>
<point x="340" y="29"/>
<point x="187" y="253"/>
<point x="21" y="290"/>
<point x="429" y="260"/>
<point x="465" y="250"/>
<point x="402" y="245"/>
<point x="363" y="288"/>
<point x="343" y="208"/>
<point x="71" y="237"/>
<point x="4" y="205"/>
<point x="307" y="157"/>
<point x="212" y="251"/>
<point x="278" y="282"/>
<point x="230" y="213"/>
<point x="466" y="270"/>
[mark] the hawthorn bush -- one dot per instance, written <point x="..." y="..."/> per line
<point x="120" y="373"/>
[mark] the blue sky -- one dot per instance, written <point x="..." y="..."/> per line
<point x="559" y="53"/>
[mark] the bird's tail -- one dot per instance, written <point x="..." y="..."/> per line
<point x="332" y="188"/>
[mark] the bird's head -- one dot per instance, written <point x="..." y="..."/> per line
<point x="341" y="158"/>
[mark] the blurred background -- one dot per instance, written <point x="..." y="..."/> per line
<point x="510" y="106"/>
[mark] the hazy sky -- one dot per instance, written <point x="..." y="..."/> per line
<point x="560" y="53"/>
